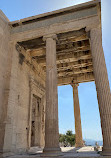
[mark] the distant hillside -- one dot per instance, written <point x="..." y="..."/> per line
<point x="92" y="142"/>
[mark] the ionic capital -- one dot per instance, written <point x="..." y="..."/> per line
<point x="91" y="27"/>
<point x="94" y="29"/>
<point x="52" y="36"/>
<point x="75" y="85"/>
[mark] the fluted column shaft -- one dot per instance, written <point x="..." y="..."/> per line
<point x="102" y="87"/>
<point x="51" y="120"/>
<point x="78" y="128"/>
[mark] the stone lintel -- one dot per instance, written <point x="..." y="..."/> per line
<point x="60" y="11"/>
<point x="55" y="20"/>
<point x="79" y="79"/>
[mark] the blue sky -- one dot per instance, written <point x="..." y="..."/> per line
<point x="18" y="9"/>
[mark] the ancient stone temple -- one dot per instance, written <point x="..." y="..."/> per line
<point x="39" y="53"/>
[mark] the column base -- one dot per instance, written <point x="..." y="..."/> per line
<point x="106" y="151"/>
<point x="51" y="152"/>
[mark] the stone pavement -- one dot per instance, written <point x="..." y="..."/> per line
<point x="67" y="152"/>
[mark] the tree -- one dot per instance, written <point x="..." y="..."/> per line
<point x="68" y="138"/>
<point x="62" y="139"/>
<point x="69" y="133"/>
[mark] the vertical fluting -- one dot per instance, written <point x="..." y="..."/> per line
<point x="102" y="87"/>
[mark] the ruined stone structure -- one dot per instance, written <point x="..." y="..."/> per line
<point x="39" y="53"/>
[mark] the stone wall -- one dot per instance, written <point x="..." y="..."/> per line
<point x="5" y="63"/>
<point x="14" y="94"/>
<point x="16" y="131"/>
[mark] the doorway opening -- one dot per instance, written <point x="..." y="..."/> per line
<point x="35" y="139"/>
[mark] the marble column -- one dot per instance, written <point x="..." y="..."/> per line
<point x="51" y="115"/>
<point x="102" y="87"/>
<point x="78" y="128"/>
